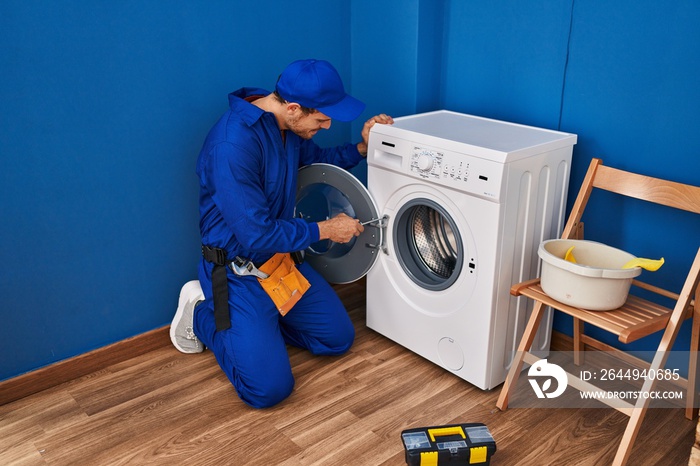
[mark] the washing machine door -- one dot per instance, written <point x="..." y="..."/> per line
<point x="324" y="191"/>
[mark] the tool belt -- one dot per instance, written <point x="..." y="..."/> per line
<point x="219" y="284"/>
<point x="284" y="284"/>
<point x="278" y="276"/>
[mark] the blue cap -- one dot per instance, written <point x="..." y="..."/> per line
<point x="316" y="84"/>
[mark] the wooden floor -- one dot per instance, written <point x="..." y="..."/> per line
<point x="171" y="408"/>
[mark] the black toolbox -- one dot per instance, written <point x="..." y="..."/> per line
<point x="452" y="445"/>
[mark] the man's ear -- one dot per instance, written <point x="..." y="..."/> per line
<point x="293" y="108"/>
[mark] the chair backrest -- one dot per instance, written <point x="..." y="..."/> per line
<point x="667" y="193"/>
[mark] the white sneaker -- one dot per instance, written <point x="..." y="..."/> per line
<point x="182" y="327"/>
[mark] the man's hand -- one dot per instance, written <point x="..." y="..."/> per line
<point x="340" y="229"/>
<point x="382" y="119"/>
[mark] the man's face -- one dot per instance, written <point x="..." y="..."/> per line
<point x="306" y="126"/>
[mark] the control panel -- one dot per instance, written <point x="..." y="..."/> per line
<point x="460" y="171"/>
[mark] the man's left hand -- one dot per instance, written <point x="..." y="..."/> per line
<point x="383" y="119"/>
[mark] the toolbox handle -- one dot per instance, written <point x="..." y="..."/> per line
<point x="442" y="431"/>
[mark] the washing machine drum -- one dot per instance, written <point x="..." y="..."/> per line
<point x="428" y="245"/>
<point x="324" y="191"/>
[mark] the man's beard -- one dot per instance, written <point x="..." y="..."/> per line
<point x="302" y="133"/>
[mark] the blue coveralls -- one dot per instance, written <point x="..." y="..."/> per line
<point x="248" y="181"/>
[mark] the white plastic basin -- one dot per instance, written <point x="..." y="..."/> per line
<point x="595" y="282"/>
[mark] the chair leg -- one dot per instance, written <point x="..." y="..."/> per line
<point x="640" y="408"/>
<point x="692" y="392"/>
<point x="516" y="366"/>
<point x="630" y="435"/>
<point x="578" y="343"/>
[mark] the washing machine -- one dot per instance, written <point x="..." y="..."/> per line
<point x="455" y="208"/>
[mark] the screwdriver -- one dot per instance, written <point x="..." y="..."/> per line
<point x="374" y="220"/>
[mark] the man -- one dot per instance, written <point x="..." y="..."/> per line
<point x="248" y="176"/>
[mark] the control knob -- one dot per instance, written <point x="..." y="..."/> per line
<point x="425" y="162"/>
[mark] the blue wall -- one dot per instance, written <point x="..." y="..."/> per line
<point x="104" y="106"/>
<point x="639" y="112"/>
<point x="623" y="76"/>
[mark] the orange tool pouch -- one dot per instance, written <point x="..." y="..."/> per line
<point x="285" y="284"/>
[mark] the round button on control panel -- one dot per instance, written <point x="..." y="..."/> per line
<point x="426" y="162"/>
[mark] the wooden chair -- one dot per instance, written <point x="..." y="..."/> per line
<point x="637" y="317"/>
